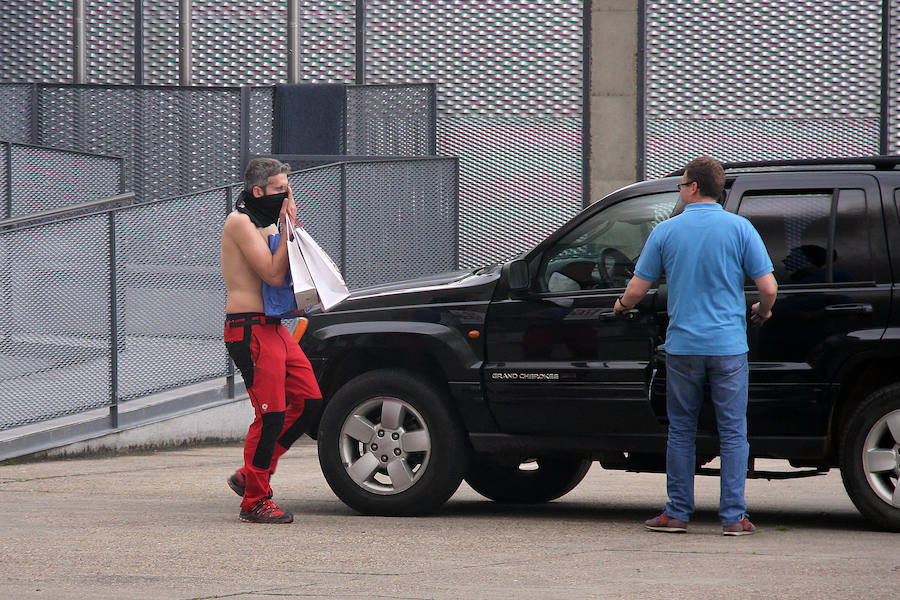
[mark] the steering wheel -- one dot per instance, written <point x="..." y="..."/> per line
<point x="614" y="267"/>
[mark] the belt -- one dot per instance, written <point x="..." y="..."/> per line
<point x="255" y="320"/>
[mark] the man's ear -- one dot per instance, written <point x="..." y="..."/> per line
<point x="258" y="192"/>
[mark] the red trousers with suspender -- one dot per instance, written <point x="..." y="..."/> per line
<point x="279" y="380"/>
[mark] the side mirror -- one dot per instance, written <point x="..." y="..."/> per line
<point x="518" y="278"/>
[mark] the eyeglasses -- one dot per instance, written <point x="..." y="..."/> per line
<point x="685" y="184"/>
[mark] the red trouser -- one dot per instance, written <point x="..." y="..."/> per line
<point x="279" y="380"/>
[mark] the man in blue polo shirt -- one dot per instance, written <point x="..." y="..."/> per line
<point x="705" y="253"/>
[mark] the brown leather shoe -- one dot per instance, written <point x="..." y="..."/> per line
<point x="666" y="524"/>
<point x="742" y="527"/>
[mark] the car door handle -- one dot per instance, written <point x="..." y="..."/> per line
<point x="611" y="314"/>
<point x="852" y="309"/>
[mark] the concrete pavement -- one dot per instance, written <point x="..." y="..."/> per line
<point x="164" y="525"/>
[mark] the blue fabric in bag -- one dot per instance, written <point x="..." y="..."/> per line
<point x="278" y="301"/>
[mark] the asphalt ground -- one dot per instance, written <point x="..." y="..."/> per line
<point x="165" y="525"/>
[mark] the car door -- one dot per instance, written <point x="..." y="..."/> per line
<point x="822" y="232"/>
<point x="558" y="361"/>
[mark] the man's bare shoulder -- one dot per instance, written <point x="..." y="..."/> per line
<point x="237" y="219"/>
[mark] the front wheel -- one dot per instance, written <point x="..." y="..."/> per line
<point x="870" y="458"/>
<point x="530" y="482"/>
<point x="390" y="444"/>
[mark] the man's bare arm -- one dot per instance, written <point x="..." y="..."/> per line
<point x="768" y="290"/>
<point x="637" y="288"/>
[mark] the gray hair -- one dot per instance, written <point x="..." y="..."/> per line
<point x="260" y="169"/>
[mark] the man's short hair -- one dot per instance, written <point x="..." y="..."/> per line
<point x="259" y="170"/>
<point x="709" y="175"/>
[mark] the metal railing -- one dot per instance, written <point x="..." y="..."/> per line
<point x="35" y="178"/>
<point x="113" y="301"/>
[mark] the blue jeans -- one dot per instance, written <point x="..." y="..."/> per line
<point x="728" y="382"/>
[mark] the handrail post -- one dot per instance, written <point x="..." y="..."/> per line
<point x="229" y="366"/>
<point x="113" y="326"/>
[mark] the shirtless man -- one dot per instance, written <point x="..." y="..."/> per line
<point x="277" y="374"/>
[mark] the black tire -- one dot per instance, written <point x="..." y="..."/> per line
<point x="390" y="444"/>
<point x="515" y="482"/>
<point x="870" y="458"/>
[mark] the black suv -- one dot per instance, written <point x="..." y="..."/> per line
<point x="518" y="375"/>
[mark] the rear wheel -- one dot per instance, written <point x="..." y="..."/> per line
<point x="389" y="444"/>
<point x="870" y="458"/>
<point x="530" y="482"/>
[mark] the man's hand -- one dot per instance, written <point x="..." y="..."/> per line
<point x="288" y="206"/>
<point x="756" y="317"/>
<point x="619" y="308"/>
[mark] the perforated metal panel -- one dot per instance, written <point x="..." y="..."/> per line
<point x="109" y="29"/>
<point x="894" y="80"/>
<point x="45" y="179"/>
<point x="160" y="42"/>
<point x="327" y="32"/>
<point x="776" y="80"/>
<point x="676" y="142"/>
<point x="510" y="86"/>
<point x="15" y="113"/>
<point x="36" y="41"/>
<point x="519" y="180"/>
<point x="401" y="220"/>
<point x="54" y="333"/>
<point x="506" y="58"/>
<point x="391" y="120"/>
<point x="239" y="42"/>
<point x="261" y="118"/>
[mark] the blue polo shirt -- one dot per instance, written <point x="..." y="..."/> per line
<point x="705" y="253"/>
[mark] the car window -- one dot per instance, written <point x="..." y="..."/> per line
<point x="796" y="229"/>
<point x="600" y="253"/>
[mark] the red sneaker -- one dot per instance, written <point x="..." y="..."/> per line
<point x="265" y="511"/>
<point x="666" y="524"/>
<point x="238" y="482"/>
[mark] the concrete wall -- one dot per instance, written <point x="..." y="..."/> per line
<point x="614" y="95"/>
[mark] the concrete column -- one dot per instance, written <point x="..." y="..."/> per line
<point x="614" y="95"/>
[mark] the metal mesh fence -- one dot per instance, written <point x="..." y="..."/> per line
<point x="174" y="140"/>
<point x="102" y="308"/>
<point x="401" y="220"/>
<point x="55" y="344"/>
<point x="778" y="80"/>
<point x="46" y="178"/>
<point x="170" y="293"/>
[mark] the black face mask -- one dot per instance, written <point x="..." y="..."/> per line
<point x="263" y="211"/>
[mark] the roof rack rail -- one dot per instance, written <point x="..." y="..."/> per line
<point x="879" y="163"/>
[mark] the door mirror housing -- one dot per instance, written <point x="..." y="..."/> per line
<point x="518" y="278"/>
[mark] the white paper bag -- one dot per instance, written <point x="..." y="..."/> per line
<point x="324" y="273"/>
<point x="304" y="288"/>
